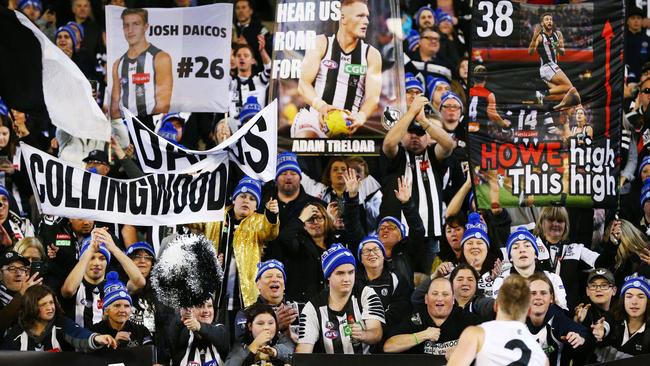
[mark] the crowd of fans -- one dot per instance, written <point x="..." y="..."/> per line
<point x="349" y="255"/>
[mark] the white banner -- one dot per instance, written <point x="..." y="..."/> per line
<point x="168" y="60"/>
<point x="155" y="199"/>
<point x="253" y="147"/>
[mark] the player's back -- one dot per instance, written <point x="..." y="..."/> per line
<point x="509" y="343"/>
<point x="478" y="104"/>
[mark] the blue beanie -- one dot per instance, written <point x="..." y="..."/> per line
<point x="114" y="290"/>
<point x="433" y="83"/>
<point x="270" y="264"/>
<point x="141" y="245"/>
<point x="644" y="162"/>
<point x="66" y="28"/>
<point x="4" y="110"/>
<point x="416" y="18"/>
<point x="370" y="239"/>
<point x="645" y="192"/>
<point x="287" y="161"/>
<point x="451" y="95"/>
<point x="168" y="132"/>
<point x="249" y="185"/>
<point x="521" y="234"/>
<point x="475" y="228"/>
<point x="250" y="109"/>
<point x="396" y="222"/>
<point x="4" y="192"/>
<point x="444" y="17"/>
<point x="413" y="39"/>
<point x="22" y="4"/>
<point x="77" y="26"/>
<point x="638" y="282"/>
<point x="337" y="255"/>
<point x="412" y="82"/>
<point x="102" y="249"/>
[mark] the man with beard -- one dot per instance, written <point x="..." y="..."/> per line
<point x="433" y="330"/>
<point x="548" y="42"/>
<point x="408" y="152"/>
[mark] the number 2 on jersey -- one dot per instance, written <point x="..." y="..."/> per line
<point x="525" y="352"/>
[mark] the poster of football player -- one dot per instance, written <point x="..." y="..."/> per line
<point x="168" y="60"/>
<point x="337" y="66"/>
<point x="543" y="122"/>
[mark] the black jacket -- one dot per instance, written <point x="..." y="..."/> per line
<point x="392" y="289"/>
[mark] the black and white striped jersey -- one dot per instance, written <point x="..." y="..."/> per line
<point x="326" y="328"/>
<point x="86" y="307"/>
<point x="138" y="81"/>
<point x="547" y="48"/>
<point x="341" y="78"/>
<point x="242" y="88"/>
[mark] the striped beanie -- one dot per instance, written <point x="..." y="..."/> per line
<point x="85" y="244"/>
<point x="475" y="228"/>
<point x="416" y="18"/>
<point x="433" y="83"/>
<point x="337" y="255"/>
<point x="4" y="110"/>
<point x="270" y="264"/>
<point x="370" y="239"/>
<point x="521" y="234"/>
<point x="396" y="222"/>
<point x="287" y="161"/>
<point x="69" y="30"/>
<point x="249" y="185"/>
<point x="638" y="282"/>
<point x="141" y="245"/>
<point x="451" y="95"/>
<point x="114" y="290"/>
<point x="412" y="82"/>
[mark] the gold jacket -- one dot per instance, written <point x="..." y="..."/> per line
<point x="248" y="245"/>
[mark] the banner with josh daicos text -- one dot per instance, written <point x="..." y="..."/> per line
<point x="544" y="116"/>
<point x="335" y="69"/>
<point x="168" y="60"/>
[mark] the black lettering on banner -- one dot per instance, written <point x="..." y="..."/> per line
<point x="103" y="186"/>
<point x="259" y="144"/>
<point x="173" y="153"/>
<point x="70" y="201"/>
<point x="182" y="180"/>
<point x="117" y="193"/>
<point x="138" y="202"/>
<point x="169" y="193"/>
<point x="86" y="201"/>
<point x="197" y="190"/>
<point x="35" y="162"/>
<point x="217" y="203"/>
<point x="157" y="191"/>
<point x="156" y="161"/>
<point x="54" y="173"/>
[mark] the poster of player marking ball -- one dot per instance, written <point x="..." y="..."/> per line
<point x="544" y="111"/>
<point x="337" y="67"/>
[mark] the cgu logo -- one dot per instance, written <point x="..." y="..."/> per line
<point x="355" y="69"/>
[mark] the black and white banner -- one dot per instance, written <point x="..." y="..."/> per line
<point x="155" y="199"/>
<point x="253" y="147"/>
<point x="168" y="60"/>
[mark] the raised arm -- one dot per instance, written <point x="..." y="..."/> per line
<point x="394" y="136"/>
<point x="535" y="40"/>
<point x="136" y="279"/>
<point x="72" y="282"/>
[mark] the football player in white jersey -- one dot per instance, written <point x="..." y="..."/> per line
<point x="506" y="340"/>
<point x="146" y="93"/>
<point x="357" y="85"/>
